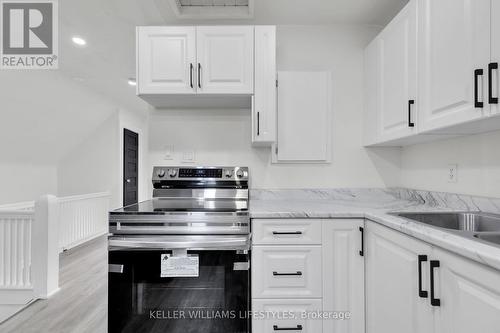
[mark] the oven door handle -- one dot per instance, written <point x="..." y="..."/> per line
<point x="182" y="242"/>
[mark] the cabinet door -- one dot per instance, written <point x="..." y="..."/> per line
<point x="166" y="60"/>
<point x="454" y="41"/>
<point x="343" y="275"/>
<point x="398" y="75"/>
<point x="264" y="109"/>
<point x="304" y="136"/>
<point x="393" y="304"/>
<point x="225" y="59"/>
<point x="495" y="58"/>
<point x="469" y="294"/>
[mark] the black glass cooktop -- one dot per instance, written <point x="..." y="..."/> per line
<point x="160" y="205"/>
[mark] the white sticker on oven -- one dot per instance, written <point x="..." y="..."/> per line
<point x="179" y="266"/>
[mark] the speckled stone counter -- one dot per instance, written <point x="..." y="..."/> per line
<point x="376" y="205"/>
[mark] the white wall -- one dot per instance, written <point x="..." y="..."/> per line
<point x="224" y="137"/>
<point x="26" y="182"/>
<point x="92" y="165"/>
<point x="425" y="166"/>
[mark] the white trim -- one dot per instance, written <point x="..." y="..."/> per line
<point x="84" y="197"/>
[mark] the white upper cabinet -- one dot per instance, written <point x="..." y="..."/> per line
<point x="454" y="52"/>
<point x="398" y="75"/>
<point x="166" y="57"/>
<point x="440" y="59"/>
<point x="264" y="104"/>
<point x="225" y="59"/>
<point x="304" y="136"/>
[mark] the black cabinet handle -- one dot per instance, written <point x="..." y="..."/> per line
<point x="433" y="265"/>
<point x="191" y="67"/>
<point x="362" y="251"/>
<point x="422" y="293"/>
<point x="287" y="232"/>
<point x="410" y="103"/>
<point x="491" y="67"/>
<point x="258" y="123"/>
<point x="199" y="75"/>
<point x="477" y="74"/>
<point x="298" y="273"/>
<point x="296" y="328"/>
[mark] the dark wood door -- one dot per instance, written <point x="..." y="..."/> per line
<point x="130" y="167"/>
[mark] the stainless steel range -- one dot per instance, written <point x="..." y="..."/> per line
<point x="180" y="262"/>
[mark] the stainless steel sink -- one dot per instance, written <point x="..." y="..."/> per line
<point x="474" y="222"/>
<point x="473" y="225"/>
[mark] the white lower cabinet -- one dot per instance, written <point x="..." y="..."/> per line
<point x="309" y="267"/>
<point x="393" y="303"/>
<point x="469" y="294"/>
<point x="413" y="287"/>
<point x="271" y="315"/>
<point x="343" y="275"/>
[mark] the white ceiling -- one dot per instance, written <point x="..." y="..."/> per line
<point x="109" y="28"/>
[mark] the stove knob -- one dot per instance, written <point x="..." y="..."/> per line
<point x="172" y="173"/>
<point x="240" y="173"/>
<point x="161" y="173"/>
<point x="228" y="173"/>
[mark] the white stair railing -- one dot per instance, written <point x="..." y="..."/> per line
<point x="82" y="218"/>
<point x="29" y="260"/>
<point x="32" y="234"/>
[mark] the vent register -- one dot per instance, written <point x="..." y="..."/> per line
<point x="213" y="9"/>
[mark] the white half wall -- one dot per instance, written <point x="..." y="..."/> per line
<point x="224" y="136"/>
<point x="26" y="182"/>
<point x="425" y="166"/>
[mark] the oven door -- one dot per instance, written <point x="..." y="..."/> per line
<point x="145" y="295"/>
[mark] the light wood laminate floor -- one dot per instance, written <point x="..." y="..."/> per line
<point x="80" y="305"/>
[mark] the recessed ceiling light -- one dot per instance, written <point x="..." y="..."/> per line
<point x="132" y="82"/>
<point x="79" y="41"/>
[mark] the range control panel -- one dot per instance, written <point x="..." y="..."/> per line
<point x="200" y="173"/>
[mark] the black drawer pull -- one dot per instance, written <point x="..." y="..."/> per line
<point x="199" y="75"/>
<point x="287" y="232"/>
<point x="296" y="328"/>
<point x="477" y="74"/>
<point x="491" y="67"/>
<point x="362" y="251"/>
<point x="410" y="103"/>
<point x="191" y="67"/>
<point x="421" y="293"/>
<point x="298" y="273"/>
<point x="434" y="301"/>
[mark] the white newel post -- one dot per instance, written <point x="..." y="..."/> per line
<point x="45" y="247"/>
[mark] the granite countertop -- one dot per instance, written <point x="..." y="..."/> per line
<point x="375" y="205"/>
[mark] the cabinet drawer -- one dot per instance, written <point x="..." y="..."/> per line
<point x="287" y="231"/>
<point x="286" y="272"/>
<point x="273" y="315"/>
